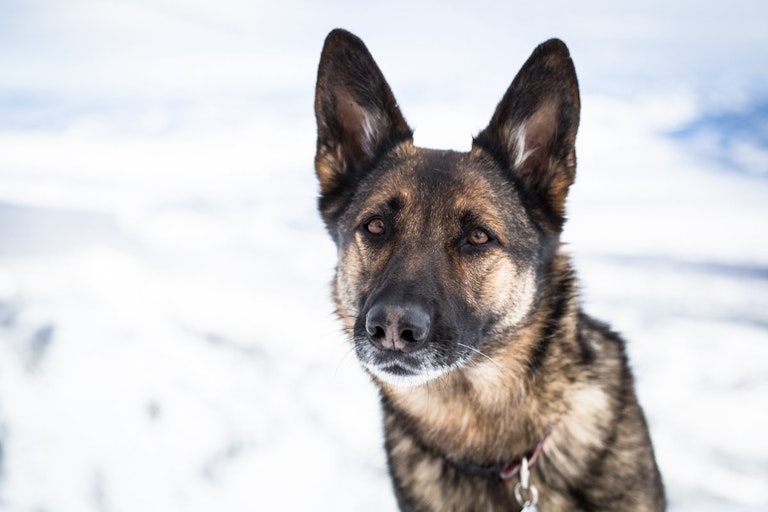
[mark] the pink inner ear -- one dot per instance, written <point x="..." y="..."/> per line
<point x="358" y="137"/>
<point x="533" y="138"/>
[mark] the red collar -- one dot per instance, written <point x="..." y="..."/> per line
<point x="514" y="467"/>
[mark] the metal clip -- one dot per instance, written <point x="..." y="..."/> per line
<point x="524" y="486"/>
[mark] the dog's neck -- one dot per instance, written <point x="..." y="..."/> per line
<point x="497" y="408"/>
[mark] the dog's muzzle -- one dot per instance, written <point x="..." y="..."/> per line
<point x="394" y="344"/>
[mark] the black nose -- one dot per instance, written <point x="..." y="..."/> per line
<point x="396" y="327"/>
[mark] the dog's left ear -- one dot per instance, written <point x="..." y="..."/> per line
<point x="357" y="115"/>
<point x="533" y="131"/>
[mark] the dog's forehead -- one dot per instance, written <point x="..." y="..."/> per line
<point x="445" y="182"/>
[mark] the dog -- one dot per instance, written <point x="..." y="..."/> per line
<point x="498" y="392"/>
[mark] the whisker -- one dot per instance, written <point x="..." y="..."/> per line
<point x="344" y="358"/>
<point x="476" y="351"/>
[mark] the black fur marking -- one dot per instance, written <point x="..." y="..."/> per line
<point x="395" y="204"/>
<point x="588" y="355"/>
<point x="489" y="471"/>
<point x="582" y="501"/>
<point x="563" y="293"/>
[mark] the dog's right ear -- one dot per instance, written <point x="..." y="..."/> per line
<point x="357" y="115"/>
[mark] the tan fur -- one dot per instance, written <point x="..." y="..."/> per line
<point x="480" y="411"/>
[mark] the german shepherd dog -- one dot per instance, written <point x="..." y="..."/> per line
<point x="498" y="392"/>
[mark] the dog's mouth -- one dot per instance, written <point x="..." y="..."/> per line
<point x="398" y="370"/>
<point x="400" y="375"/>
<point x="406" y="369"/>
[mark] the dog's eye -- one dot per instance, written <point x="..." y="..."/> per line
<point x="478" y="236"/>
<point x="376" y="226"/>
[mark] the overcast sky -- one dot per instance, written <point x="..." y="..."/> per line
<point x="88" y="52"/>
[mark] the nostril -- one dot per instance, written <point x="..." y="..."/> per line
<point x="414" y="327"/>
<point x="374" y="325"/>
<point x="407" y="336"/>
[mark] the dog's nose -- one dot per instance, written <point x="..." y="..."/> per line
<point x="399" y="328"/>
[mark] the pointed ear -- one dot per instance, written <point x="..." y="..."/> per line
<point x="357" y="115"/>
<point x="533" y="131"/>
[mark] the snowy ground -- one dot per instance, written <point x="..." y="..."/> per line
<point x="166" y="337"/>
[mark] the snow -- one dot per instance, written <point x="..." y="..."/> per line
<point x="167" y="339"/>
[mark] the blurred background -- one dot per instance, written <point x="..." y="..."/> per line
<point x="167" y="339"/>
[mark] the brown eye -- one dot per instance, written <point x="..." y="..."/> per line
<point x="478" y="237"/>
<point x="376" y="226"/>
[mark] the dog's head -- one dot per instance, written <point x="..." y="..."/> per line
<point x="441" y="254"/>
